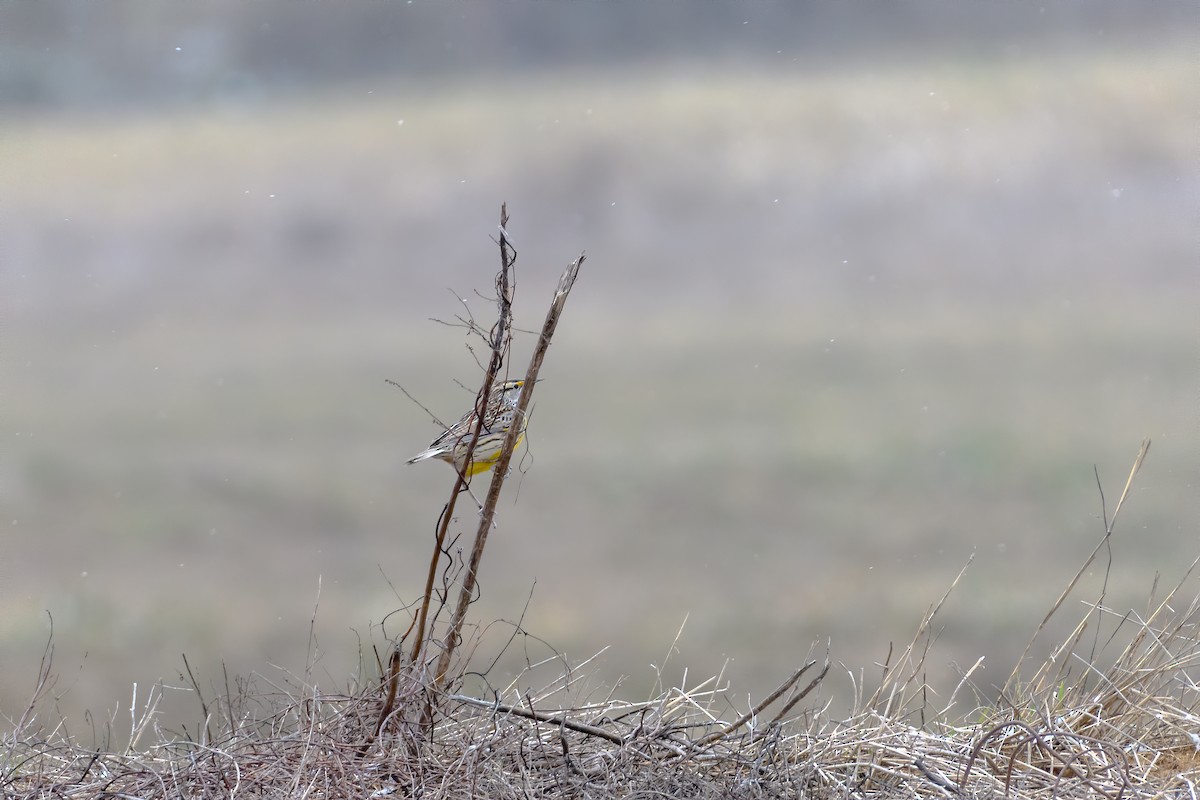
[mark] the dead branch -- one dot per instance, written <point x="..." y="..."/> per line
<point x="758" y="709"/>
<point x="555" y="717"/>
<point x="500" y="340"/>
<point x="565" y="282"/>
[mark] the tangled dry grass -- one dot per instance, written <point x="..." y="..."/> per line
<point x="1127" y="732"/>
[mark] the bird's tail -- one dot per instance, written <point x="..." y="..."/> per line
<point x="433" y="452"/>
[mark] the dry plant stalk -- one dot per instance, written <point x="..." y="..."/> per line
<point x="500" y="338"/>
<point x="565" y="282"/>
<point x="771" y="698"/>
<point x="1108" y="530"/>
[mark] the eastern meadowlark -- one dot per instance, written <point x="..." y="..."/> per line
<point x="452" y="445"/>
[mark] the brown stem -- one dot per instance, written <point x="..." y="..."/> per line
<point x="565" y="282"/>
<point x="500" y="343"/>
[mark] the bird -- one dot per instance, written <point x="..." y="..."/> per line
<point x="451" y="446"/>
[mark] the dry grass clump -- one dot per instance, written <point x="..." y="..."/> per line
<point x="1128" y="731"/>
<point x="1113" y="712"/>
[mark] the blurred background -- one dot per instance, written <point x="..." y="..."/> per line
<point x="870" y="291"/>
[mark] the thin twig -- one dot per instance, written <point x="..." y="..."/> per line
<point x="499" y="347"/>
<point x="758" y="709"/>
<point x="803" y="693"/>
<point x="500" y="339"/>
<point x="420" y="405"/>
<point x="554" y="717"/>
<point x="1108" y="530"/>
<point x="1137" y="465"/>
<point x="200" y="697"/>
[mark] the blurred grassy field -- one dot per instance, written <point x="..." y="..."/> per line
<point x="838" y="332"/>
